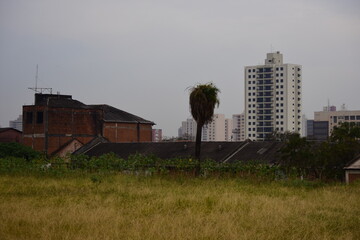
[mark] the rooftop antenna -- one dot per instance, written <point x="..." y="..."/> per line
<point x="36" y="89"/>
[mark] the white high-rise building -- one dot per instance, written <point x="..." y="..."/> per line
<point x="188" y="129"/>
<point x="215" y="130"/>
<point x="238" y="127"/>
<point x="272" y="98"/>
<point x="228" y="129"/>
<point x="219" y="129"/>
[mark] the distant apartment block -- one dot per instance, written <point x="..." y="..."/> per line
<point x="272" y="98"/>
<point x="188" y="129"/>
<point x="157" y="135"/>
<point x="215" y="130"/>
<point x="325" y="121"/>
<point x="238" y="132"/>
<point x="17" y="124"/>
<point x="219" y="129"/>
<point x="228" y="129"/>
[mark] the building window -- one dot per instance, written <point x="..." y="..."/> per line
<point x="39" y="117"/>
<point x="29" y="117"/>
<point x="249" y="70"/>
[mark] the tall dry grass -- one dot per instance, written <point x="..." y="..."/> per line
<point x="130" y="207"/>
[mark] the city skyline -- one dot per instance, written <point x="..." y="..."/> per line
<point x="141" y="57"/>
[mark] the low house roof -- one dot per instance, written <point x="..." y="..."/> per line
<point x="9" y="129"/>
<point x="353" y="164"/>
<point x="112" y="114"/>
<point x="265" y="152"/>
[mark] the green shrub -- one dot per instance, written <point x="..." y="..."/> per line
<point x="17" y="150"/>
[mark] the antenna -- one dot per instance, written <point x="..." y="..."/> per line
<point x="36" y="89"/>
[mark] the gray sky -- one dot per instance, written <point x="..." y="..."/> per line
<point x="140" y="56"/>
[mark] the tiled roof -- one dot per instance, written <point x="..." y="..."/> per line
<point x="354" y="164"/>
<point x="219" y="151"/>
<point x="266" y="151"/>
<point x="112" y="114"/>
<point x="9" y="128"/>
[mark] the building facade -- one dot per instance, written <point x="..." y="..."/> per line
<point x="55" y="121"/>
<point x="272" y="98"/>
<point x="238" y="132"/>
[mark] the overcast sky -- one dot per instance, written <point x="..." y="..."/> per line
<point x="141" y="56"/>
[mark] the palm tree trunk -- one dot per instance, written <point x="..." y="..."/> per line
<point x="198" y="149"/>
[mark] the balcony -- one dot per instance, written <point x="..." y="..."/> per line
<point x="264" y="124"/>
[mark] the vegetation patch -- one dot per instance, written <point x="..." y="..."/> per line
<point x="122" y="206"/>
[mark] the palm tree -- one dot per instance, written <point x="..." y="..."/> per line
<point x="203" y="99"/>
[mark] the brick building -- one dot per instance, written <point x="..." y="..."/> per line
<point x="55" y="121"/>
<point x="10" y="135"/>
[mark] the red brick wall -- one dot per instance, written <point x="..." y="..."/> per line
<point x="10" y="135"/>
<point x="64" y="124"/>
<point x="354" y="177"/>
<point x="127" y="132"/>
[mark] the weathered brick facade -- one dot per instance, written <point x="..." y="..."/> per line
<point x="56" y="120"/>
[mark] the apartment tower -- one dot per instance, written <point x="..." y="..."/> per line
<point x="272" y="98"/>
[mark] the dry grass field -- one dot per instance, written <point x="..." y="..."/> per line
<point x="174" y="207"/>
